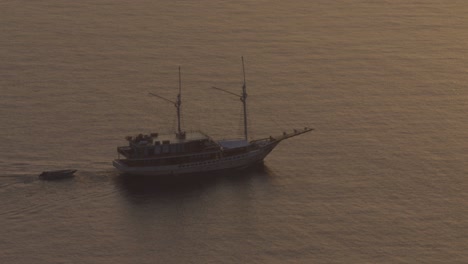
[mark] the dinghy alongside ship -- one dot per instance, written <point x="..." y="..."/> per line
<point x="191" y="152"/>
<point x="56" y="174"/>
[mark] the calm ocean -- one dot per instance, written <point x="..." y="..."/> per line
<point x="382" y="179"/>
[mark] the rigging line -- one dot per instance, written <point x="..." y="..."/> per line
<point x="182" y="121"/>
<point x="240" y="124"/>
<point x="174" y="119"/>
<point x="249" y="124"/>
<point x="155" y="95"/>
<point x="226" y="91"/>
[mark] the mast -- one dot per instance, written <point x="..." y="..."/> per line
<point x="242" y="97"/>
<point x="178" y="103"/>
<point x="180" y="134"/>
<point x="244" y="101"/>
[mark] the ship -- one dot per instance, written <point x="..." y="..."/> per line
<point x="183" y="152"/>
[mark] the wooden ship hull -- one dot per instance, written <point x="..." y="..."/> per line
<point x="219" y="163"/>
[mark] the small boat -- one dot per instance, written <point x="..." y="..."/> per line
<point x="57" y="174"/>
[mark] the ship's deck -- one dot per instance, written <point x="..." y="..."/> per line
<point x="233" y="143"/>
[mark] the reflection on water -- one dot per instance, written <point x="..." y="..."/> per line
<point x="138" y="188"/>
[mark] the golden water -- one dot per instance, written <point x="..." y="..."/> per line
<point x="381" y="180"/>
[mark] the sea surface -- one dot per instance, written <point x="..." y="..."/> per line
<point x="382" y="179"/>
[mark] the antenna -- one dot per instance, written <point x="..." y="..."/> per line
<point x="180" y="134"/>
<point x="243" y="98"/>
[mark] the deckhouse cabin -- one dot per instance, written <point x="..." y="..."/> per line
<point x="155" y="145"/>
